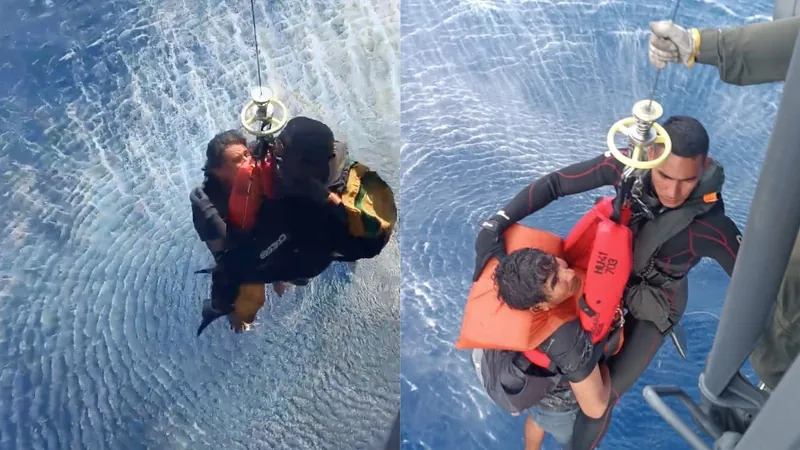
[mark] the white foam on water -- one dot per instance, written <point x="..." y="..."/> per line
<point x="98" y="300"/>
<point x="497" y="94"/>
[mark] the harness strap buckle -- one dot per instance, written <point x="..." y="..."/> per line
<point x="619" y="318"/>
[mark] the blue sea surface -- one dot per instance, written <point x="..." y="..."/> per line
<point x="496" y="94"/>
<point x="105" y="111"/>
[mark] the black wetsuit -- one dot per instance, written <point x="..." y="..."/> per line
<point x="295" y="237"/>
<point x="712" y="235"/>
<point x="210" y="216"/>
<point x="572" y="354"/>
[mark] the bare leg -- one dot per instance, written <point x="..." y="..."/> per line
<point x="249" y="300"/>
<point x="534" y="435"/>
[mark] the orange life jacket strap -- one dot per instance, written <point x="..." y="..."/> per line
<point x="608" y="266"/>
<point x="253" y="181"/>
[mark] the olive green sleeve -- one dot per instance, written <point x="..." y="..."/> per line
<point x="750" y="54"/>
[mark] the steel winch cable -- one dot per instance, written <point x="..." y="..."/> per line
<point x="255" y="37"/>
<point x="658" y="72"/>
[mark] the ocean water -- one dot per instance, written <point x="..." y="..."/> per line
<point x="496" y="94"/>
<point x="105" y="111"/>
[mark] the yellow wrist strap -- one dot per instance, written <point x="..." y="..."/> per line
<point x="696" y="37"/>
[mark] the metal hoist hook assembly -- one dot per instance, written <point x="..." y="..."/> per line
<point x="261" y="110"/>
<point x="258" y="115"/>
<point x="642" y="131"/>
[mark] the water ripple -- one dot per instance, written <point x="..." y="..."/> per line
<point x="496" y="94"/>
<point x="105" y="109"/>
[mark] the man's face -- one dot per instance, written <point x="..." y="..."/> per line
<point x="675" y="179"/>
<point x="560" y="286"/>
<point x="232" y="157"/>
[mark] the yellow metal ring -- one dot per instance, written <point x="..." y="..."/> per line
<point x="634" y="160"/>
<point x="275" y="125"/>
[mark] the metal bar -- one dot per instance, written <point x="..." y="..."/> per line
<point x="652" y="394"/>
<point x="702" y="420"/>
<point x="393" y="443"/>
<point x="776" y="426"/>
<point x="771" y="229"/>
<point x="785" y="8"/>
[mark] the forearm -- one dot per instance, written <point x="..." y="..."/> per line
<point x="750" y="54"/>
<point x="575" y="179"/>
<point x="216" y="247"/>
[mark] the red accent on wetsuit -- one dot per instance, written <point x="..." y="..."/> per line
<point x="253" y="181"/>
<point x="605" y="250"/>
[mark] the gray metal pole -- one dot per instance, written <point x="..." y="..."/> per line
<point x="393" y="443"/>
<point x="776" y="426"/>
<point x="785" y="8"/>
<point x="653" y="396"/>
<point x="769" y="236"/>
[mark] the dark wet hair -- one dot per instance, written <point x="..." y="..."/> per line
<point x="521" y="277"/>
<point x="689" y="136"/>
<point x="217" y="145"/>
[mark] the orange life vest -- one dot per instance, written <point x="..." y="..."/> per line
<point x="599" y="250"/>
<point x="252" y="183"/>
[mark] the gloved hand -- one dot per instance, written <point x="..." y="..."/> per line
<point x="489" y="243"/>
<point x="671" y="43"/>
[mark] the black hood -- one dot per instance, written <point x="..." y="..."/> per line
<point x="307" y="149"/>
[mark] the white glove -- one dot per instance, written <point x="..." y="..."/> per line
<point x="670" y="43"/>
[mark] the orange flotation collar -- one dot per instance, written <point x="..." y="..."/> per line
<point x="601" y="253"/>
<point x="253" y="182"/>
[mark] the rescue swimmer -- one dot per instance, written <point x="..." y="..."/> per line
<point x="678" y="218"/>
<point x="281" y="210"/>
